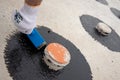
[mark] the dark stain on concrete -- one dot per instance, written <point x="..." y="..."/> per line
<point x="112" y="41"/>
<point x="24" y="62"/>
<point x="116" y="12"/>
<point x="102" y="2"/>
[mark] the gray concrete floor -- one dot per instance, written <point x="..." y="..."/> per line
<point x="62" y="16"/>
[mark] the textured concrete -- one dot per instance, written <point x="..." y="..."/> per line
<point x="63" y="18"/>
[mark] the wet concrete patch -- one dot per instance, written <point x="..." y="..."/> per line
<point x="112" y="41"/>
<point x="24" y="62"/>
<point x="116" y="12"/>
<point x="102" y="2"/>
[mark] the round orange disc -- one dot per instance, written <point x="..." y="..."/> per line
<point x="57" y="52"/>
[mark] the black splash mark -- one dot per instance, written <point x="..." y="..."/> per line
<point x="24" y="62"/>
<point x="116" y="12"/>
<point x="102" y="2"/>
<point x="112" y="41"/>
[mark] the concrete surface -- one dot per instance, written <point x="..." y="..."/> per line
<point x="63" y="17"/>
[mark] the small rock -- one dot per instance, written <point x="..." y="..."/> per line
<point x="103" y="28"/>
<point x="56" y="56"/>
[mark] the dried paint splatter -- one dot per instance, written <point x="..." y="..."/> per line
<point x="102" y="2"/>
<point x="112" y="41"/>
<point x="24" y="62"/>
<point x="116" y="12"/>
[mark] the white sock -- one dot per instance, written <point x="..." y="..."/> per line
<point x="25" y="18"/>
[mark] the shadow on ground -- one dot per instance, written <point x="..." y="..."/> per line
<point x="112" y="41"/>
<point x="24" y="62"/>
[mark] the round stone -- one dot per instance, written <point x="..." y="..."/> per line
<point x="103" y="28"/>
<point x="56" y="56"/>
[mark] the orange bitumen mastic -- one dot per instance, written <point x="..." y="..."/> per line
<point x="57" y="51"/>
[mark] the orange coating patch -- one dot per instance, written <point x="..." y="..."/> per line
<point x="33" y="3"/>
<point x="57" y="52"/>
